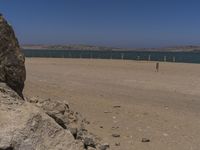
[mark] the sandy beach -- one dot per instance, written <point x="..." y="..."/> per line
<point x="127" y="98"/>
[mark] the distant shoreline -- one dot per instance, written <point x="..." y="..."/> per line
<point x="172" y="56"/>
<point x="101" y="48"/>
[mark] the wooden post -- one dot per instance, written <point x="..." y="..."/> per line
<point x="149" y="59"/>
<point x="174" y="59"/>
<point x="165" y="58"/>
<point x="122" y="56"/>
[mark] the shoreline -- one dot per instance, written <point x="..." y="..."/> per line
<point x="113" y="50"/>
<point x="128" y="60"/>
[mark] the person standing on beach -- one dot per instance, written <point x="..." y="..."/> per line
<point x="157" y="67"/>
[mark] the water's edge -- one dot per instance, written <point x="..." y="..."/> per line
<point x="185" y="57"/>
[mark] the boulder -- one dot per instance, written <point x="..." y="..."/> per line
<point x="60" y="112"/>
<point x="69" y="120"/>
<point x="12" y="68"/>
<point x="33" y="124"/>
<point x="26" y="127"/>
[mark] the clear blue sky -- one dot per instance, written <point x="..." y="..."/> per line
<point x="120" y="23"/>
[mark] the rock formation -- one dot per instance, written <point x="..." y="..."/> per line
<point x="25" y="127"/>
<point x="69" y="120"/>
<point x="34" y="124"/>
<point x="12" y="68"/>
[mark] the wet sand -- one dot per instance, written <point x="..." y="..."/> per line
<point x="161" y="106"/>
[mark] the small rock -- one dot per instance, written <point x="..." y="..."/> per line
<point x="117" y="106"/>
<point x="104" y="146"/>
<point x="4" y="96"/>
<point x="33" y="100"/>
<point x="107" y="112"/>
<point x="117" y="144"/>
<point x="115" y="135"/>
<point x="91" y="148"/>
<point x="145" y="140"/>
<point x="88" y="142"/>
<point x="115" y="128"/>
<point x="114" y="117"/>
<point x="165" y="134"/>
<point x="166" y="107"/>
<point x="86" y="121"/>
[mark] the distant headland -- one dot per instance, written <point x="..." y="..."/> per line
<point x="187" y="48"/>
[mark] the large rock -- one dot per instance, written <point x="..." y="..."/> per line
<point x="41" y="125"/>
<point x="26" y="127"/>
<point x="12" y="68"/>
<point x="69" y="120"/>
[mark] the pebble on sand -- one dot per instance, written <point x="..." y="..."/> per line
<point x="115" y="135"/>
<point x="145" y="140"/>
<point x="116" y="106"/>
<point x="117" y="144"/>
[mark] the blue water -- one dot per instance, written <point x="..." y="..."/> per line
<point x="186" y="57"/>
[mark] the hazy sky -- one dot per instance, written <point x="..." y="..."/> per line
<point x="120" y="23"/>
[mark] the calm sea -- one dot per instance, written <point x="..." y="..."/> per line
<point x="186" y="57"/>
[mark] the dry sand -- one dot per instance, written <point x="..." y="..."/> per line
<point x="163" y="107"/>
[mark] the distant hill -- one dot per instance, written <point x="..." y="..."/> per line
<point x="189" y="48"/>
<point x="67" y="47"/>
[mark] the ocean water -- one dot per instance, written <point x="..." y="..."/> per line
<point x="185" y="57"/>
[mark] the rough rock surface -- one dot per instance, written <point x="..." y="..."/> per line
<point x="69" y="120"/>
<point x="12" y="68"/>
<point x="26" y="127"/>
<point x="44" y="125"/>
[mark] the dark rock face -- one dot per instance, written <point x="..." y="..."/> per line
<point x="12" y="68"/>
